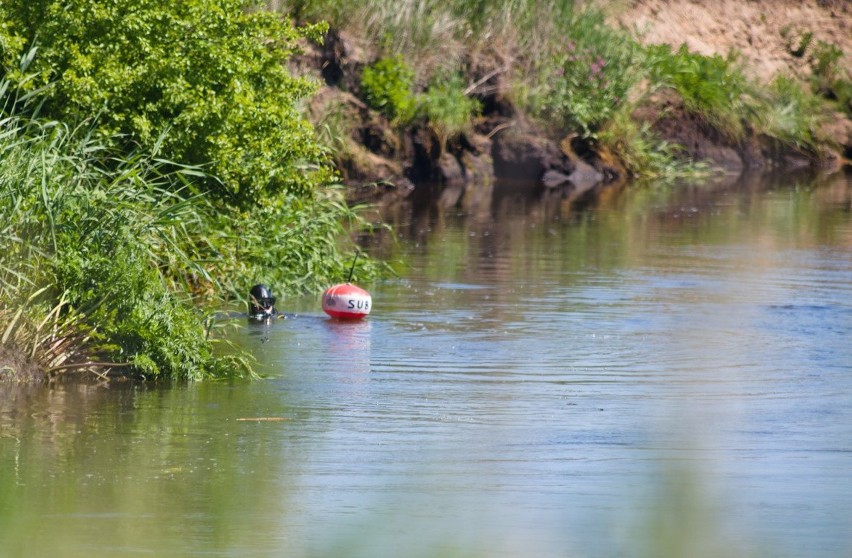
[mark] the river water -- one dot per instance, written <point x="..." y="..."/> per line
<point x="663" y="372"/>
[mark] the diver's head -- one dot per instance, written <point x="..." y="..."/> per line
<point x="261" y="302"/>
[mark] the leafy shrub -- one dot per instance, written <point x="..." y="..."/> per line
<point x="387" y="86"/>
<point x="711" y="86"/>
<point x="211" y="73"/>
<point x="589" y="78"/>
<point x="790" y="114"/>
<point x="447" y="108"/>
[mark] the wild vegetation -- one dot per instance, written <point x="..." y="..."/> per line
<point x="562" y="64"/>
<point x="146" y="176"/>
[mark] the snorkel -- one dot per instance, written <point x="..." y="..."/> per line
<point x="261" y="305"/>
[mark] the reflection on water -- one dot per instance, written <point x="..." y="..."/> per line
<point x="667" y="372"/>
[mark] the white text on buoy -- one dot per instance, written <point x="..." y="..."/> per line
<point x="346" y="301"/>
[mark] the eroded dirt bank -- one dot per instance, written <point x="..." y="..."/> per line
<point x="767" y="34"/>
<point x="771" y="38"/>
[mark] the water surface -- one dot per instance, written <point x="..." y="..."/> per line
<point x="664" y="372"/>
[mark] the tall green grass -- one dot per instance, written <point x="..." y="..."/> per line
<point x="442" y="27"/>
<point x="108" y="260"/>
<point x="713" y="87"/>
<point x="95" y="244"/>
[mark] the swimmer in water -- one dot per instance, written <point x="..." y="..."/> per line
<point x="261" y="304"/>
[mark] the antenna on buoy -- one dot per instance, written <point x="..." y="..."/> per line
<point x="345" y="301"/>
<point x="351" y="269"/>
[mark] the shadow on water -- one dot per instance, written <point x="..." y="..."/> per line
<point x="480" y="206"/>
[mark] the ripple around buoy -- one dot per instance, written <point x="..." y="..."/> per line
<point x="346" y="302"/>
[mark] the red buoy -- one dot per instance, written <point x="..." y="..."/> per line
<point x="346" y="301"/>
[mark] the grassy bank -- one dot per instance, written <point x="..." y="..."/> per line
<point x="140" y="190"/>
<point x="562" y="64"/>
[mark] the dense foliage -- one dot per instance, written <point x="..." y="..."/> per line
<point x="86" y="246"/>
<point x="154" y="156"/>
<point x="203" y="80"/>
<point x="387" y="87"/>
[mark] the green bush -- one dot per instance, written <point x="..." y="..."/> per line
<point x="447" y="108"/>
<point x="791" y="114"/>
<point x="583" y="85"/>
<point x="387" y="86"/>
<point x="710" y="86"/>
<point x="202" y="81"/>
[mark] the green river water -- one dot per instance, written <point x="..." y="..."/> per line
<point x="664" y="372"/>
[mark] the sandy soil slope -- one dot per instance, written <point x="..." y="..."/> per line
<point x="755" y="28"/>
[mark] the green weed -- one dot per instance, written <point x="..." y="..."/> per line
<point x="387" y="86"/>
<point x="643" y="154"/>
<point x="713" y="87"/>
<point x="447" y="108"/>
<point x="790" y="114"/>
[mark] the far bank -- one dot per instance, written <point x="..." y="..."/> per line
<point x="573" y="96"/>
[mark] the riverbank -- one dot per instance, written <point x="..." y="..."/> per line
<point x="809" y="41"/>
<point x="666" y="111"/>
<point x="154" y="164"/>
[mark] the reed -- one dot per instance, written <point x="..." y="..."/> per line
<point x="91" y="248"/>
